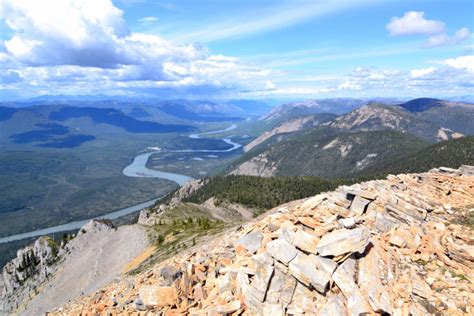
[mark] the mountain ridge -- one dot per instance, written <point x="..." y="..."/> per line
<point x="268" y="265"/>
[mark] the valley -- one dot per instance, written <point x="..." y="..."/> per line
<point x="242" y="167"/>
<point x="236" y="158"/>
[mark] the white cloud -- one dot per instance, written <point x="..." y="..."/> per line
<point x="147" y="20"/>
<point x="462" y="62"/>
<point x="418" y="73"/>
<point x="269" y="85"/>
<point x="443" y="39"/>
<point x="84" y="33"/>
<point x="88" y="43"/>
<point x="348" y="85"/>
<point x="412" y="23"/>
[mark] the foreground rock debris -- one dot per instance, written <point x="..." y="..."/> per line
<point x="381" y="247"/>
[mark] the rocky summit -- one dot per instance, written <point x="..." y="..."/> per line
<point x="399" y="246"/>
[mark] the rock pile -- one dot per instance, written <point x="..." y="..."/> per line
<point x="381" y="247"/>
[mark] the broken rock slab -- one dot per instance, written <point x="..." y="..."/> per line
<point x="334" y="306"/>
<point x="282" y="250"/>
<point x="359" y="205"/>
<point x="303" y="240"/>
<point x="343" y="241"/>
<point x="344" y="279"/>
<point x="250" y="241"/>
<point x="263" y="273"/>
<point x="158" y="296"/>
<point x="304" y="269"/>
<point x="358" y="192"/>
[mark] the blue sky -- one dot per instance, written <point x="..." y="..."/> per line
<point x="237" y="49"/>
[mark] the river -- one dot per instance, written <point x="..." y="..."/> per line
<point x="136" y="169"/>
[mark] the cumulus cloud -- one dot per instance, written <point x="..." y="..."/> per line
<point x="462" y="62"/>
<point x="419" y="73"/>
<point x="450" y="76"/>
<point x="87" y="42"/>
<point x="85" y="33"/>
<point x="414" y="23"/>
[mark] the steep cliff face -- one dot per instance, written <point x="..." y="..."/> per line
<point x="399" y="246"/>
<point x="45" y="274"/>
<point x="31" y="267"/>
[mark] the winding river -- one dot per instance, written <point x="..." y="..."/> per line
<point x="136" y="169"/>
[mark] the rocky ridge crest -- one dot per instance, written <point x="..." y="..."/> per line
<point x="386" y="246"/>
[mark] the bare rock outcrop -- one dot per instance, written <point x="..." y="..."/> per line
<point x="46" y="273"/>
<point x="32" y="266"/>
<point x="148" y="216"/>
<point x="391" y="246"/>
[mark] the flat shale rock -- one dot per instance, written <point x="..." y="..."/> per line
<point x="304" y="269"/>
<point x="251" y="241"/>
<point x="282" y="250"/>
<point x="344" y="241"/>
<point x="344" y="279"/>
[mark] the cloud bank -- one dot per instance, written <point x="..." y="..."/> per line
<point x="89" y="41"/>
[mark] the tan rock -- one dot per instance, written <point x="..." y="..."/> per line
<point x="228" y="308"/>
<point x="303" y="240"/>
<point x="334" y="306"/>
<point x="158" y="296"/>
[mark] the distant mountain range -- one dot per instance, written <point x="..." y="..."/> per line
<point x="49" y="126"/>
<point x="457" y="116"/>
<point x="350" y="143"/>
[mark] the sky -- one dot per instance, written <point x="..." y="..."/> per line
<point x="218" y="49"/>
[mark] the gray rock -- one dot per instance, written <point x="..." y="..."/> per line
<point x="467" y="170"/>
<point x="343" y="241"/>
<point x="344" y="279"/>
<point x="282" y="250"/>
<point x="334" y="306"/>
<point x="347" y="222"/>
<point x="264" y="271"/>
<point x="448" y="170"/>
<point x="358" y="192"/>
<point x="139" y="306"/>
<point x="406" y="215"/>
<point x="303" y="240"/>
<point x="170" y="273"/>
<point x="273" y="309"/>
<point x="251" y="241"/>
<point x="359" y="205"/>
<point x="281" y="288"/>
<point x="384" y="222"/>
<point x="324" y="264"/>
<point x="304" y="269"/>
